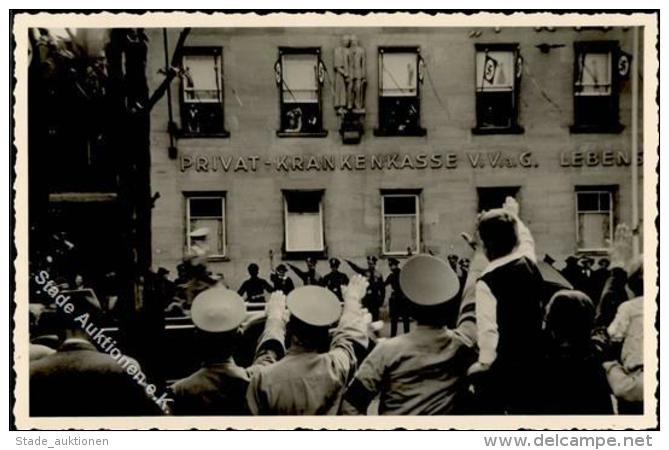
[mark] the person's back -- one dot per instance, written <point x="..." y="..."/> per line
<point x="421" y="372"/>
<point x="80" y="381"/>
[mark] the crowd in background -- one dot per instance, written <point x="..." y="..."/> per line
<point x="502" y="333"/>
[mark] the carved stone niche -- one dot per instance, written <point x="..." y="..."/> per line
<point x="350" y="73"/>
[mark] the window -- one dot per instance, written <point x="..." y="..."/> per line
<point x="595" y="88"/>
<point x="202" y="92"/>
<point x="400" y="215"/>
<point x="206" y="211"/>
<point x="594" y="218"/>
<point x="300" y="74"/>
<point x="497" y="82"/>
<point x="400" y="75"/>
<point x="303" y="215"/>
<point x="494" y="197"/>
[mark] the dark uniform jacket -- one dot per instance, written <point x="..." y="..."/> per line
<point x="254" y="289"/>
<point x="334" y="281"/>
<point x="78" y="380"/>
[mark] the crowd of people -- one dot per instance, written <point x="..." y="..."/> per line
<point x="503" y="333"/>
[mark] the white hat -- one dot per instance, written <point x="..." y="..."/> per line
<point x="218" y="310"/>
<point x="200" y="232"/>
<point x="427" y="280"/>
<point x="314" y="305"/>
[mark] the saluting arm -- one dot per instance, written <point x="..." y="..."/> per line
<point x="356" y="268"/>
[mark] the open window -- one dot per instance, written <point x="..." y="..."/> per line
<point x="400" y="216"/>
<point x="494" y="197"/>
<point x="303" y="222"/>
<point x="596" y="96"/>
<point x="594" y="217"/>
<point x="205" y="212"/>
<point x="400" y="76"/>
<point x="299" y="75"/>
<point x="498" y="68"/>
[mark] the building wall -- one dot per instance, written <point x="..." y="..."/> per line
<point x="352" y="201"/>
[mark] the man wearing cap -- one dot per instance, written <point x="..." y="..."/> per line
<point x="198" y="242"/>
<point x="376" y="288"/>
<point x="219" y="387"/>
<point x="311" y="378"/>
<point x="281" y="281"/>
<point x="335" y="279"/>
<point x="254" y="288"/>
<point x="397" y="302"/>
<point x="78" y="380"/>
<point x="309" y="277"/>
<point x="423" y="371"/>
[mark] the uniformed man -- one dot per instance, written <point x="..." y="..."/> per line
<point x="198" y="242"/>
<point x="309" y="277"/>
<point x="281" y="281"/>
<point x="335" y="279"/>
<point x="423" y="371"/>
<point x="254" y="288"/>
<point x="376" y="288"/>
<point x="397" y="302"/>
<point x="311" y="378"/>
<point x="219" y="387"/>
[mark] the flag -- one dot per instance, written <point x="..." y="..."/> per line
<point x="489" y="69"/>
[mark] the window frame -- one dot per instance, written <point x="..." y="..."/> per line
<point x="514" y="127"/>
<point x="203" y="51"/>
<point x="610" y="191"/>
<point x="420" y="130"/>
<point x="400" y="194"/>
<point x="613" y="125"/>
<point x="207" y="195"/>
<point x="319" y="88"/>
<point x="302" y="254"/>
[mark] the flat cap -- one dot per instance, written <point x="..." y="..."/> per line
<point x="218" y="310"/>
<point x="427" y="280"/>
<point x="314" y="305"/>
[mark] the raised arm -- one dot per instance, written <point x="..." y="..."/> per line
<point x="356" y="268"/>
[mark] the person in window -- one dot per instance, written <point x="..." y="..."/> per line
<point x="423" y="371"/>
<point x="219" y="387"/>
<point x="509" y="299"/>
<point x="312" y="377"/>
<point x="254" y="288"/>
<point x="281" y="281"/>
<point x="335" y="279"/>
<point x="575" y="381"/>
<point x="397" y="304"/>
<point x="310" y="276"/>
<point x="376" y="288"/>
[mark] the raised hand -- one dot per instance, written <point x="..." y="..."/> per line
<point x="511" y="205"/>
<point x="356" y="289"/>
<point x="276" y="306"/>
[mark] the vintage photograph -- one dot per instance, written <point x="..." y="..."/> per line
<point x="279" y="221"/>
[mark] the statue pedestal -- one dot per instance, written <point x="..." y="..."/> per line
<point x="351" y="126"/>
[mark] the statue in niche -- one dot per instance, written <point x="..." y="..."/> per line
<point x="342" y="81"/>
<point x="358" y="75"/>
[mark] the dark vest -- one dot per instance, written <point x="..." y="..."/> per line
<point x="518" y="288"/>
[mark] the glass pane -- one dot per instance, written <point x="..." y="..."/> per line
<point x="206" y="207"/>
<point x="303" y="232"/>
<point x="303" y="202"/>
<point x="605" y="201"/>
<point x="300" y="78"/>
<point x="399" y="205"/>
<point x="593" y="230"/>
<point x="215" y="239"/>
<point x="400" y="74"/>
<point x="588" y="201"/>
<point x="202" y="78"/>
<point x="400" y="234"/>
<point x="495" y="70"/>
<point x="594" y="74"/>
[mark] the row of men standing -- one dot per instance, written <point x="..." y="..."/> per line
<point x="255" y="288"/>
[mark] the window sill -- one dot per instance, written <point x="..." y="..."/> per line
<point x="604" y="129"/>
<point x="218" y="258"/>
<point x="187" y="135"/>
<point x="419" y="132"/>
<point x="516" y="129"/>
<point x="302" y="255"/>
<point x="593" y="251"/>
<point x="293" y="134"/>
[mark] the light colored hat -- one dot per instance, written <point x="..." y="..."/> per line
<point x="314" y="305"/>
<point x="427" y="280"/>
<point x="218" y="310"/>
<point x="200" y="232"/>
